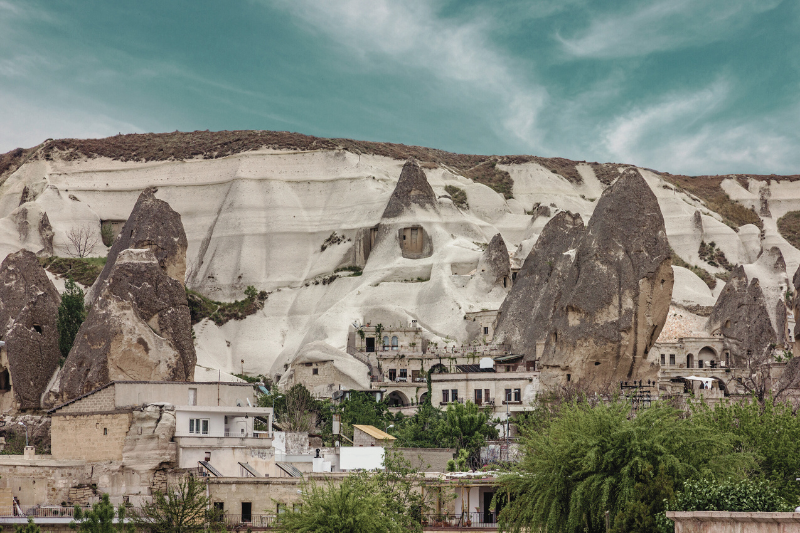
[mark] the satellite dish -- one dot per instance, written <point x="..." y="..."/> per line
<point x="487" y="362"/>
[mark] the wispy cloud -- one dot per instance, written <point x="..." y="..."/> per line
<point x="413" y="35"/>
<point x="687" y="132"/>
<point x="662" y="25"/>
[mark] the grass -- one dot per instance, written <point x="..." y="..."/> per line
<point x="701" y="273"/>
<point x="789" y="227"/>
<point x="458" y="195"/>
<point x="83" y="270"/>
<point x="707" y="189"/>
<point x="356" y="270"/>
<point x="202" y="307"/>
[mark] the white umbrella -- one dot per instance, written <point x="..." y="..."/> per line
<point x="706" y="381"/>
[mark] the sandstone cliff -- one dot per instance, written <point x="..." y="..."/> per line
<point x="139" y="328"/>
<point x="590" y="302"/>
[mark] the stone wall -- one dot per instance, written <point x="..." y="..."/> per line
<point x="725" y="522"/>
<point x="90" y="437"/>
<point x="103" y="400"/>
<point x="427" y="459"/>
<point x="263" y="493"/>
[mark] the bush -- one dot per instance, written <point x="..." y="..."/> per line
<point x="71" y="314"/>
<point x="84" y="270"/>
<point x="458" y="195"/>
<point x="107" y="234"/>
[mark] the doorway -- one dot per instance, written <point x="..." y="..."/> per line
<point x="247" y="512"/>
<point x="370" y="344"/>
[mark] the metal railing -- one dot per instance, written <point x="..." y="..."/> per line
<point x="484" y="519"/>
<point x="38" y="511"/>
<point x="255" y="520"/>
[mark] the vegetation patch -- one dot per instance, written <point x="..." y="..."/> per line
<point x="458" y="195"/>
<point x="701" y="273"/>
<point x="202" y="307"/>
<point x="356" y="270"/>
<point x="714" y="256"/>
<point x="84" y="270"/>
<point x="708" y="190"/>
<point x="332" y="240"/>
<point x="789" y="227"/>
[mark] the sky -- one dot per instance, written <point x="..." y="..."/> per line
<point x="683" y="86"/>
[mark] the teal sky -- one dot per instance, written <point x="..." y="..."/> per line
<point x="685" y="86"/>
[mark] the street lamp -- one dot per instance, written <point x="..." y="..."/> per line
<point x="273" y="400"/>
<point x="26" y="433"/>
<point x="387" y="428"/>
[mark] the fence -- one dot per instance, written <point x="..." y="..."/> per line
<point x="486" y="519"/>
<point x="253" y="520"/>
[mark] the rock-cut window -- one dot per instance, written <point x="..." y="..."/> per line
<point x="395" y="343"/>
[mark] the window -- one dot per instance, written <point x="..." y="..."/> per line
<point x="105" y="431"/>
<point x="485" y="330"/>
<point x="445" y="396"/>
<point x="454" y="394"/>
<point x="569" y="377"/>
<point x="395" y="343"/>
<point x="315" y="371"/>
<point x="486" y="394"/>
<point x="517" y="395"/>
<point x="198" y="426"/>
<point x="478" y="396"/>
<point x="672" y="359"/>
<point x="508" y="395"/>
<point x="699" y="363"/>
<point x="663" y="359"/>
<point x="385" y="342"/>
<point x="403" y="373"/>
<point x="192" y="396"/>
<point x="392" y="374"/>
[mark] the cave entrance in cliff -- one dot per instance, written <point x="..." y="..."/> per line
<point x="5" y="381"/>
<point x="397" y="399"/>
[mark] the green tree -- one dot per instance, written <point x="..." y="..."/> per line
<point x="71" y="314"/>
<point x="386" y="501"/>
<point x="30" y="527"/>
<point x="466" y="426"/>
<point x="593" y="459"/>
<point x="185" y="509"/>
<point x="421" y="430"/>
<point x="770" y="431"/>
<point x="101" y="518"/>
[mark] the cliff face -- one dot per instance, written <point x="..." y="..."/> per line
<point x="28" y="325"/>
<point x="138" y="329"/>
<point x="283" y="212"/>
<point x="594" y="299"/>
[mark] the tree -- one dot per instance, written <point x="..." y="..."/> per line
<point x="378" y="338"/>
<point x="597" y="458"/>
<point x="100" y="519"/>
<point x="71" y="314"/>
<point x="81" y="241"/>
<point x="466" y="426"/>
<point x="299" y="409"/>
<point x="30" y="527"/>
<point x="386" y="501"/>
<point x="185" y="509"/>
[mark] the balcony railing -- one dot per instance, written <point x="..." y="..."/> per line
<point x="254" y="520"/>
<point x="483" y="519"/>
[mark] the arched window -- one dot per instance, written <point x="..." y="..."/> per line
<point x="395" y="343"/>
<point x="385" y="342"/>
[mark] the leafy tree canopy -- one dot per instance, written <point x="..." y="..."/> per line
<point x="71" y="314"/>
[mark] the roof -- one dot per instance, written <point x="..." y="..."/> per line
<point x="289" y="468"/>
<point x="374" y="432"/>
<point x="506" y="358"/>
<point x="473" y="368"/>
<point x="122" y="382"/>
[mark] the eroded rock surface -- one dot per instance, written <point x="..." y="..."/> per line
<point x="590" y="301"/>
<point x="750" y="312"/>
<point x="154" y="225"/>
<point x="494" y="265"/>
<point x="148" y="444"/>
<point x="28" y="315"/>
<point x="412" y="189"/>
<point x="139" y="328"/>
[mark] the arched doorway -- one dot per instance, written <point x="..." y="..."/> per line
<point x="690" y="361"/>
<point x="397" y="399"/>
<point x="423" y="398"/>
<point x="708" y="355"/>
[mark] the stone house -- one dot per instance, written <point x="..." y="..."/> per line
<point x="161" y="424"/>
<point x="364" y="435"/>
